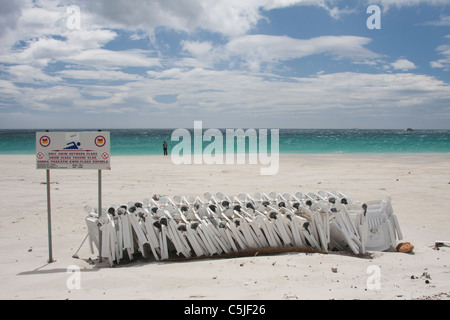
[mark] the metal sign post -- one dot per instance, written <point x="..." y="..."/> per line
<point x="99" y="215"/>
<point x="72" y="150"/>
<point x="49" y="220"/>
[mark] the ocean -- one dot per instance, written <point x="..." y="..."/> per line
<point x="291" y="141"/>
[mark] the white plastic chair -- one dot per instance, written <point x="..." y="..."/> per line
<point x="380" y="236"/>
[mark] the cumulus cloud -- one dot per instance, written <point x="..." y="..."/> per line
<point x="44" y="37"/>
<point x="403" y="65"/>
<point x="51" y="48"/>
<point x="229" y="17"/>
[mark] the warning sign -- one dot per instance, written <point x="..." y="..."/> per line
<point x="44" y="141"/>
<point x="100" y="141"/>
<point x="73" y="150"/>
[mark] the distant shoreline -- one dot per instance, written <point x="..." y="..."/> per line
<point x="285" y="155"/>
<point x="141" y="142"/>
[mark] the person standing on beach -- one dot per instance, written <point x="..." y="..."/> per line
<point x="165" y="148"/>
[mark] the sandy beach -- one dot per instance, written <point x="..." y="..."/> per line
<point x="419" y="185"/>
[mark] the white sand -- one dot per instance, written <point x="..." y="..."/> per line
<point x="418" y="184"/>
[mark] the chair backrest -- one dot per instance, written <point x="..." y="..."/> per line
<point x="380" y="235"/>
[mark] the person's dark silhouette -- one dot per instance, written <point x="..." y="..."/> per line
<point x="165" y="148"/>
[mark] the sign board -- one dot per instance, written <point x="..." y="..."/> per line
<point x="73" y="150"/>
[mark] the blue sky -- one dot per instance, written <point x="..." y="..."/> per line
<point x="229" y="63"/>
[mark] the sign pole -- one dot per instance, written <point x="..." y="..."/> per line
<point x="49" y="219"/>
<point x="99" y="214"/>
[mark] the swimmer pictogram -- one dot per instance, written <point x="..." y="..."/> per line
<point x="73" y="146"/>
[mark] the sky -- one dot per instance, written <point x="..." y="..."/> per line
<point x="228" y="63"/>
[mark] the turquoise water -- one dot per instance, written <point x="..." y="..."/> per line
<point x="298" y="141"/>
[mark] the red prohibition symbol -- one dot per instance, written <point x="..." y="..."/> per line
<point x="40" y="156"/>
<point x="105" y="155"/>
<point x="45" y="141"/>
<point x="100" y="141"/>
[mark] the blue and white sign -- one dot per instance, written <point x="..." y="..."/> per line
<point x="73" y="150"/>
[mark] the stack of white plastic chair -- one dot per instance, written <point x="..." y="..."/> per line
<point x="220" y="224"/>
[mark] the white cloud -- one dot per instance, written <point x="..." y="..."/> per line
<point x="40" y="51"/>
<point x="443" y="21"/>
<point x="198" y="49"/>
<point x="60" y="98"/>
<point x="8" y="89"/>
<point x="30" y="75"/>
<point x="89" y="39"/>
<point x="276" y="4"/>
<point x="204" y="53"/>
<point x="41" y="36"/>
<point x="437" y="64"/>
<point x="44" y="38"/>
<point x="407" y="3"/>
<point x="328" y="5"/>
<point x="443" y="63"/>
<point x="255" y="50"/>
<point x="228" y="17"/>
<point x="81" y="47"/>
<point x="101" y="58"/>
<point x="224" y="98"/>
<point x="30" y="20"/>
<point x="403" y="65"/>
<point x="10" y="11"/>
<point x="102" y="75"/>
<point x="211" y="77"/>
<point x="41" y="26"/>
